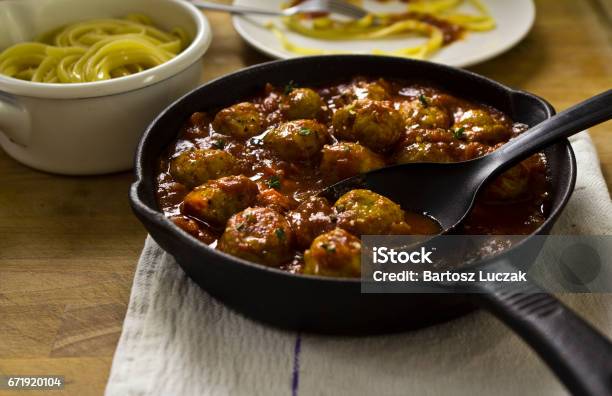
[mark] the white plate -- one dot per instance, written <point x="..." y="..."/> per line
<point x="514" y="20"/>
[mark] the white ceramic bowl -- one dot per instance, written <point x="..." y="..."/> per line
<point x="91" y="128"/>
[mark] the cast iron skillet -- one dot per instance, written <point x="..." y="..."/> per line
<point x="577" y="354"/>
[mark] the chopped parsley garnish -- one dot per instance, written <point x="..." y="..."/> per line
<point x="219" y="144"/>
<point x="423" y="100"/>
<point x="290" y="87"/>
<point x="274" y="182"/>
<point x="458" y="133"/>
<point x="280" y="233"/>
<point x="240" y="226"/>
<point x="305" y="132"/>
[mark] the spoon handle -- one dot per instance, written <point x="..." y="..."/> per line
<point x="577" y="353"/>
<point x="566" y="123"/>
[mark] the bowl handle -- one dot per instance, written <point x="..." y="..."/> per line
<point x="14" y="120"/>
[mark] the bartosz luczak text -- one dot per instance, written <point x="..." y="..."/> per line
<point x="420" y="267"/>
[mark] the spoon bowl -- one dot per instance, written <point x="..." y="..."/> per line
<point x="442" y="191"/>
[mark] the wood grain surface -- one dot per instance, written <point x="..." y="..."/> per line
<point x="69" y="245"/>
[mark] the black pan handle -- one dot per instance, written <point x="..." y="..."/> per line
<point x="579" y="355"/>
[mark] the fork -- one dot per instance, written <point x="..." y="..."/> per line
<point x="339" y="7"/>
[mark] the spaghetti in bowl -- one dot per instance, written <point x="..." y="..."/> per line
<point x="25" y="20"/>
<point x="91" y="127"/>
<point x="93" y="50"/>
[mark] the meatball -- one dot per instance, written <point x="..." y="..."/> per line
<point x="471" y="150"/>
<point x="482" y="126"/>
<point x="297" y="140"/>
<point x="302" y="103"/>
<point x="363" y="212"/>
<point x="197" y="166"/>
<point x="313" y="217"/>
<point x="335" y="253"/>
<point x="376" y="90"/>
<point x="260" y="235"/>
<point x="217" y="200"/>
<point x="242" y="120"/>
<point x="344" y="160"/>
<point x="425" y="114"/>
<point x="418" y="134"/>
<point x="424" y="152"/>
<point x="275" y="200"/>
<point x="375" y="124"/>
<point x="191" y="227"/>
<point x="511" y="185"/>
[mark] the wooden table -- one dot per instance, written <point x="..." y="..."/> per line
<point x="69" y="245"/>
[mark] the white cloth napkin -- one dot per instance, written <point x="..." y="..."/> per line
<point x="177" y="340"/>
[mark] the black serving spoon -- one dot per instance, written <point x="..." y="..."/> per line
<point x="446" y="191"/>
